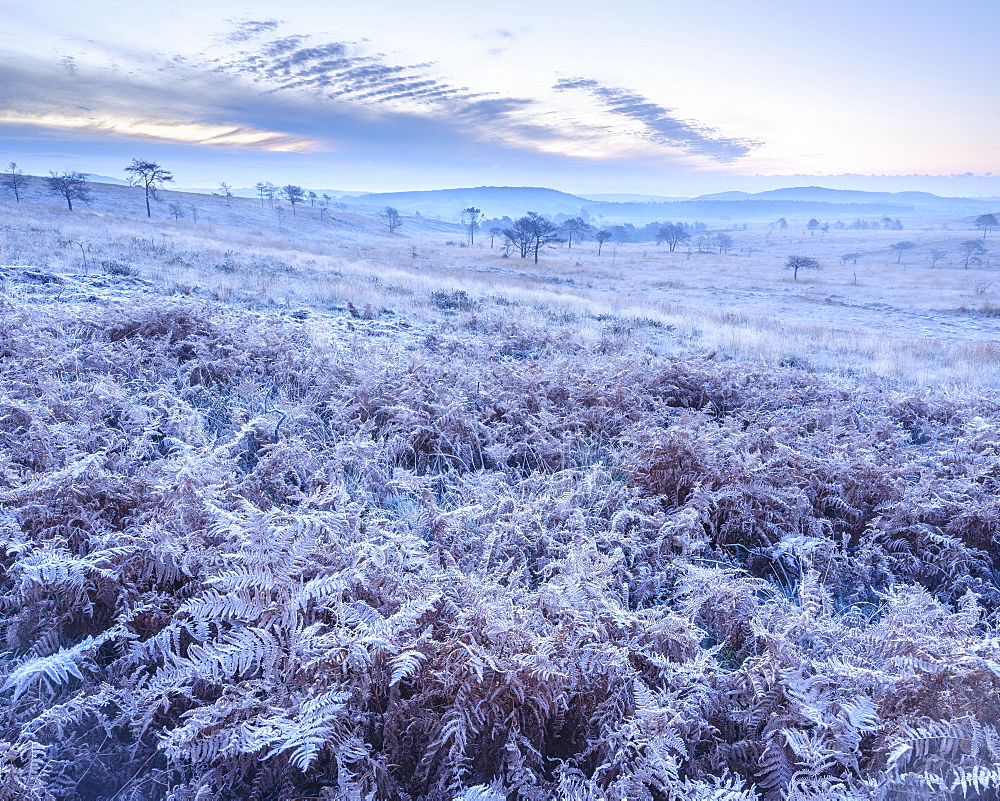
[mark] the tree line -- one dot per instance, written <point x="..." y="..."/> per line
<point x="528" y="234"/>
<point x="69" y="185"/>
<point x="580" y="229"/>
<point x="73" y="187"/>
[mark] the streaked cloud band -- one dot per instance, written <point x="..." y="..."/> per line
<point x="181" y="132"/>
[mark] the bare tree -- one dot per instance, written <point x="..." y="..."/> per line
<point x="150" y="176"/>
<point x="392" y="218"/>
<point x="673" y="234"/>
<point x="602" y="236"/>
<point x="176" y="209"/>
<point x="575" y="226"/>
<point x="973" y="249"/>
<point x="985" y="221"/>
<point x="936" y="255"/>
<point x="541" y="231"/>
<point x="494" y="233"/>
<point x="261" y="187"/>
<point x="226" y="191"/>
<point x="470" y="219"/>
<point x="14" y="180"/>
<point x="71" y="185"/>
<point x="724" y="241"/>
<point x="293" y="194"/>
<point x="796" y="263"/>
<point x="899" y="247"/>
<point x="518" y="237"/>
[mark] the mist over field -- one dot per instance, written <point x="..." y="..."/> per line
<point x="452" y="403"/>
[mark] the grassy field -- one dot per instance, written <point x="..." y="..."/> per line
<point x="905" y="321"/>
<point x="299" y="509"/>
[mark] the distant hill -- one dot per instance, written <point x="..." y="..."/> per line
<point x="198" y="209"/>
<point x="793" y="202"/>
<point x="750" y="209"/>
<point x="921" y="202"/>
<point x="494" y="201"/>
<point x="251" y="191"/>
<point x="619" y="198"/>
<point x="824" y="195"/>
<point x="107" y="179"/>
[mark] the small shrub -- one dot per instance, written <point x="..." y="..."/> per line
<point x="457" y="300"/>
<point x="119" y="268"/>
<point x="228" y="264"/>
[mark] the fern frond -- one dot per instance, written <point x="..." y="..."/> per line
<point x="940" y="738"/>
<point x="315" y="727"/>
<point x="239" y="653"/>
<point x="405" y="666"/>
<point x="213" y="606"/>
<point x="55" y="670"/>
<point x="483" y="792"/>
<point x="978" y="779"/>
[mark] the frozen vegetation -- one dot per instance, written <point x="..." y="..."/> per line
<point x="298" y="509"/>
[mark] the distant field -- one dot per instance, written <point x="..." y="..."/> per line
<point x="906" y="321"/>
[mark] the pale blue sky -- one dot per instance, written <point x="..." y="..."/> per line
<point x="671" y="98"/>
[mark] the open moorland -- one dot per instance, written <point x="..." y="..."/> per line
<point x="295" y="508"/>
<point x="900" y="315"/>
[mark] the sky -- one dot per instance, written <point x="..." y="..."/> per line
<point x="662" y="97"/>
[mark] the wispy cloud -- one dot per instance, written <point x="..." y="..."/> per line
<point x="493" y="34"/>
<point x="294" y="92"/>
<point x="166" y="130"/>
<point x="133" y="104"/>
<point x="500" y="38"/>
<point x="368" y="85"/>
<point x="660" y="124"/>
<point x="246" y="29"/>
<point x="339" y="72"/>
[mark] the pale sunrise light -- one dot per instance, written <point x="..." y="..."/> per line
<point x="166" y="130"/>
<point x="675" y="98"/>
